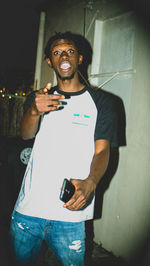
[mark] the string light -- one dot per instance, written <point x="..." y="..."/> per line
<point x="20" y="93"/>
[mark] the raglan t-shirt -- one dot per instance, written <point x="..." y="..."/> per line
<point x="64" y="148"/>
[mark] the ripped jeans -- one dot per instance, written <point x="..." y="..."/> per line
<point x="65" y="239"/>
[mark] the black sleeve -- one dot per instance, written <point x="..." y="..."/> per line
<point x="106" y="124"/>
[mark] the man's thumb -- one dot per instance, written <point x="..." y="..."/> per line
<point x="48" y="86"/>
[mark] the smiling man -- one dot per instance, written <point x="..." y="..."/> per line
<point x="74" y="126"/>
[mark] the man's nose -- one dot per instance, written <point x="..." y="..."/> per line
<point x="64" y="54"/>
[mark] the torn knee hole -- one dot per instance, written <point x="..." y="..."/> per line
<point x="76" y="245"/>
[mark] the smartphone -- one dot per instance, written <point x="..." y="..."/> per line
<point x="67" y="190"/>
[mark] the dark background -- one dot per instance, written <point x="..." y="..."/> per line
<point x="19" y="22"/>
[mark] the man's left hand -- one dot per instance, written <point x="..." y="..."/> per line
<point x="83" y="190"/>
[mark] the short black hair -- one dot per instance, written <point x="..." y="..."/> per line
<point x="75" y="38"/>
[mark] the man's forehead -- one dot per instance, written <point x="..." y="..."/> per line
<point x="61" y="42"/>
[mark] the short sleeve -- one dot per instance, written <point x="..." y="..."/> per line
<point x="106" y="124"/>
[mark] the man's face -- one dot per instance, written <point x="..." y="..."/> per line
<point x="64" y="58"/>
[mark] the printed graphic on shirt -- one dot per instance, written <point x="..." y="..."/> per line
<point x="25" y="155"/>
<point x="80" y="119"/>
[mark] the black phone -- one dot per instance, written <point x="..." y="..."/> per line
<point x="67" y="190"/>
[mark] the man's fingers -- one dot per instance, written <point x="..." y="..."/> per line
<point x="77" y="201"/>
<point x="48" y="97"/>
<point x="53" y="102"/>
<point x="41" y="91"/>
<point x="75" y="205"/>
<point x="48" y="86"/>
<point x="55" y="96"/>
<point x="45" y="102"/>
<point x="45" y="90"/>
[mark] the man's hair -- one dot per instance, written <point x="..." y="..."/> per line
<point x="75" y="38"/>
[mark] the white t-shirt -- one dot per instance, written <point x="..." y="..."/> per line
<point x="63" y="148"/>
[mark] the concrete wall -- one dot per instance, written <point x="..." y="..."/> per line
<point x="124" y="225"/>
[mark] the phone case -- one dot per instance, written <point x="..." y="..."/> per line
<point x="67" y="190"/>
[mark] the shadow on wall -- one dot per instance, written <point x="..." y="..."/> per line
<point x="111" y="170"/>
<point x="143" y="258"/>
<point x="114" y="157"/>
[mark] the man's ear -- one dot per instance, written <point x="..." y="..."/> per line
<point x="80" y="59"/>
<point x="49" y="62"/>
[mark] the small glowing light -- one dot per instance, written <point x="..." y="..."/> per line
<point x="23" y="94"/>
<point x="9" y="97"/>
<point x="3" y="95"/>
<point x="16" y="94"/>
<point x="1" y="91"/>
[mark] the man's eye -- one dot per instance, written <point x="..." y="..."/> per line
<point x="70" y="51"/>
<point x="56" y="53"/>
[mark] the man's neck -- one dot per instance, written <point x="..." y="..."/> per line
<point x="71" y="85"/>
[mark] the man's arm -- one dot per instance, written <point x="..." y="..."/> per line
<point x="29" y="124"/>
<point x="43" y="102"/>
<point x="84" y="188"/>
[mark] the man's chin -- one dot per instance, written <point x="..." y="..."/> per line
<point x="63" y="78"/>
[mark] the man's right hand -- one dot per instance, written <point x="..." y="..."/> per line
<point x="45" y="102"/>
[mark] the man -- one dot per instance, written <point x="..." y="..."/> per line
<point x="74" y="127"/>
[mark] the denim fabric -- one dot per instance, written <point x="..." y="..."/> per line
<point x="65" y="239"/>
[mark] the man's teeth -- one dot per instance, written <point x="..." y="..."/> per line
<point x="65" y="65"/>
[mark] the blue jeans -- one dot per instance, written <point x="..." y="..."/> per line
<point x="65" y="239"/>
